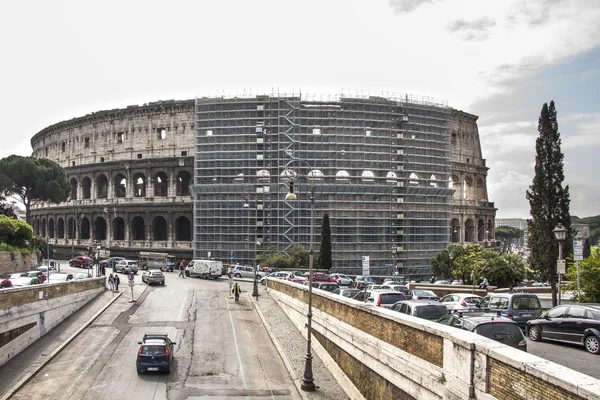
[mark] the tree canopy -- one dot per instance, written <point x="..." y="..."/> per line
<point x="509" y="237"/>
<point x="33" y="179"/>
<point x="14" y="232"/>
<point x="589" y="277"/>
<point x="548" y="200"/>
<point x="325" y="261"/>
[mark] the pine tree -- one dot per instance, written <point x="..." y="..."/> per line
<point x="548" y="200"/>
<point x="325" y="250"/>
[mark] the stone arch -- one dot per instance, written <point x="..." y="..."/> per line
<point x="101" y="187"/>
<point x="73" y="183"/>
<point x="490" y="230"/>
<point x="43" y="227"/>
<point x="342" y="176"/>
<point x="432" y="181"/>
<point x="454" y="184"/>
<point x="84" y="232"/>
<point x="86" y="187"/>
<point x="71" y="228"/>
<point x="120" y="184"/>
<point x="138" y="229"/>
<point x="36" y="226"/>
<point x="159" y="228"/>
<point x="480" y="189"/>
<point x="183" y="229"/>
<point x="60" y="228"/>
<point x="161" y="184"/>
<point x="118" y="226"/>
<point x="413" y="179"/>
<point x="469" y="230"/>
<point x="51" y="227"/>
<point x="455" y="230"/>
<point x="480" y="230"/>
<point x="468" y="188"/>
<point x="183" y="183"/>
<point x="139" y="185"/>
<point x="100" y="228"/>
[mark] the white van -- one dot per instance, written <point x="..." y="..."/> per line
<point x="205" y="268"/>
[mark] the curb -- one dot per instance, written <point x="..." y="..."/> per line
<point x="26" y="379"/>
<point x="279" y="348"/>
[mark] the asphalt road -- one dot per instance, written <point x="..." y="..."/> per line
<point x="571" y="356"/>
<point x="222" y="351"/>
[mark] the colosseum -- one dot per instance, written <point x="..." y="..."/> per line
<point x="399" y="177"/>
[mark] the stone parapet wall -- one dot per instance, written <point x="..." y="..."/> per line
<point x="16" y="263"/>
<point x="30" y="312"/>
<point x="385" y="354"/>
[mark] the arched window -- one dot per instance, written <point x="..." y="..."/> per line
<point x="101" y="187"/>
<point x="120" y="186"/>
<point x="86" y="184"/>
<point x="183" y="229"/>
<point x="413" y="179"/>
<point x="159" y="229"/>
<point x="161" y="184"/>
<point x="85" y="228"/>
<point x="51" y="228"/>
<point x="100" y="229"/>
<point x="391" y="177"/>
<point x="139" y="185"/>
<point x="432" y="181"/>
<point x="342" y="176"/>
<point x="73" y="183"/>
<point x="138" y="229"/>
<point x="368" y="176"/>
<point x="118" y="229"/>
<point x="183" y="183"/>
<point x="60" y="228"/>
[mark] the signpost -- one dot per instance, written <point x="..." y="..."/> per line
<point x="365" y="265"/>
<point x="578" y="256"/>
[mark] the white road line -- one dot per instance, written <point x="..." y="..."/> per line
<point x="237" y="349"/>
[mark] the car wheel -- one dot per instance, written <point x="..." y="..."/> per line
<point x="238" y="275"/>
<point x="592" y="344"/>
<point x="535" y="334"/>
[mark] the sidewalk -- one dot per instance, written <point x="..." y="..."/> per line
<point x="292" y="347"/>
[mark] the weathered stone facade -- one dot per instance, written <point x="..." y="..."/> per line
<point x="131" y="173"/>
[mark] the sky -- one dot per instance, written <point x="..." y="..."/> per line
<point x="499" y="60"/>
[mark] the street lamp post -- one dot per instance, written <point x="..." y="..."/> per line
<point x="308" y="384"/>
<point x="561" y="234"/>
<point x="254" y="265"/>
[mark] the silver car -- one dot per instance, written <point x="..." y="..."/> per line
<point x="243" y="271"/>
<point x="126" y="266"/>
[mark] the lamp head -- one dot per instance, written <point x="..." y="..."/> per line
<point x="291" y="195"/>
<point x="560" y="232"/>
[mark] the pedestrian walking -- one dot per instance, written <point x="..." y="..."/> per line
<point x="111" y="282"/>
<point x="230" y="278"/>
<point x="236" y="290"/>
<point x="182" y="268"/>
<point x="116" y="281"/>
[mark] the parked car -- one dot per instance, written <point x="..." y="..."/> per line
<point x="44" y="269"/>
<point x="155" y="353"/>
<point x="442" y="282"/>
<point x="327" y="286"/>
<point x="60" y="277"/>
<point x="346" y="292"/>
<point x="500" y="329"/>
<point x="126" y="266"/>
<point x="280" y="275"/>
<point x="16" y="275"/>
<point x="82" y="275"/>
<point x="37" y="274"/>
<point x="402" y="289"/>
<point x="5" y="283"/>
<point x="460" y="301"/>
<point x="577" y="324"/>
<point x="25" y="281"/>
<point x="110" y="262"/>
<point x="520" y="307"/>
<point x="385" y="298"/>
<point x="393" y="281"/>
<point x="153" y="276"/>
<point x="244" y="271"/>
<point x="81" y="262"/>
<point x="362" y="280"/>
<point x="321" y="277"/>
<point x="341" y="279"/>
<point x="426" y="309"/>
<point x="361" y="295"/>
<point x="422" y="294"/>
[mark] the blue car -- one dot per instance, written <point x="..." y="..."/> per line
<point x="155" y="353"/>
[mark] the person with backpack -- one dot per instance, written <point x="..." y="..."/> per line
<point x="236" y="290"/>
<point x="116" y="281"/>
<point x="182" y="268"/>
<point x="111" y="282"/>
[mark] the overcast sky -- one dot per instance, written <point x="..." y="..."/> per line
<point x="500" y="60"/>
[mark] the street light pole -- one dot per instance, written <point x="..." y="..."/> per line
<point x="560" y="233"/>
<point x="254" y="265"/>
<point x="308" y="384"/>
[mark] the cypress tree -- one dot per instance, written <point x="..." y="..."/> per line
<point x="548" y="200"/>
<point x="325" y="250"/>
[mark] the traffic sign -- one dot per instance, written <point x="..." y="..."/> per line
<point x="578" y="250"/>
<point x="365" y="265"/>
<point x="561" y="266"/>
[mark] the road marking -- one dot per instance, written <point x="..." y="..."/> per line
<point x="237" y="349"/>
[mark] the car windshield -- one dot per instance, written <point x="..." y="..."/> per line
<point x="424" y="293"/>
<point x="526" y="303"/>
<point x="391" y="298"/>
<point x="472" y="300"/>
<point x="430" y="311"/>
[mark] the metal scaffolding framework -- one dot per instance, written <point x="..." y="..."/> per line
<point x="380" y="167"/>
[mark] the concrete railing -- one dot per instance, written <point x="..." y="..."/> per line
<point x="378" y="353"/>
<point x="28" y="313"/>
